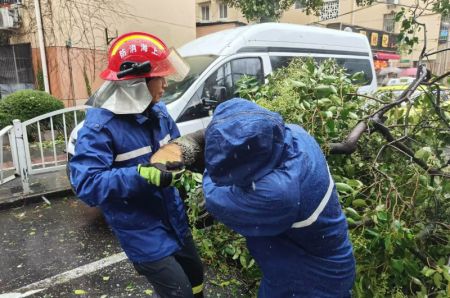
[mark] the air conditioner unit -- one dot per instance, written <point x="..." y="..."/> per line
<point x="391" y="2"/>
<point x="9" y="18"/>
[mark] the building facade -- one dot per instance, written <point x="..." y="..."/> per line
<point x="213" y="16"/>
<point x="76" y="35"/>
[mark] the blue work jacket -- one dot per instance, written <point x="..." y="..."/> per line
<point x="270" y="182"/>
<point x="150" y="222"/>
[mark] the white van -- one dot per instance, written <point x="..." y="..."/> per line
<point x="217" y="61"/>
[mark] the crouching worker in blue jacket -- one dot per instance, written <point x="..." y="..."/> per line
<point x="270" y="182"/>
<point x="111" y="170"/>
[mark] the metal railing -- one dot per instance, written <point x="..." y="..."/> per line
<point x="8" y="155"/>
<point x="37" y="145"/>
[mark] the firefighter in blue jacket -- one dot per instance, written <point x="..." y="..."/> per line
<point x="270" y="182"/>
<point x="111" y="170"/>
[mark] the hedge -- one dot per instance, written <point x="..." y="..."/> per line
<point x="27" y="104"/>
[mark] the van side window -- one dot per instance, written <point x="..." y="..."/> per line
<point x="351" y="65"/>
<point x="356" y="65"/>
<point x="280" y="61"/>
<point x="221" y="86"/>
<point x="194" y="109"/>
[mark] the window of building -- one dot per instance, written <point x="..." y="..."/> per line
<point x="389" y="22"/>
<point x="298" y="5"/>
<point x="205" y="12"/>
<point x="443" y="30"/>
<point x="223" y="11"/>
<point x="330" y="10"/>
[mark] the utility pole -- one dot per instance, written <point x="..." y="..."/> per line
<point x="37" y="9"/>
<point x="69" y="63"/>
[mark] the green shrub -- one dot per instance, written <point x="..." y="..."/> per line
<point x="27" y="104"/>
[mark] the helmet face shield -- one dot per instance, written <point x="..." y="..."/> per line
<point x="180" y="68"/>
<point x="122" y="97"/>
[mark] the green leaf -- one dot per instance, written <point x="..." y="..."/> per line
<point x="251" y="263"/>
<point x="353" y="115"/>
<point x="437" y="279"/>
<point x="331" y="125"/>
<point x="352" y="213"/>
<point x="351" y="221"/>
<point x="359" y="203"/>
<point x="197" y="177"/>
<point x="243" y="261"/>
<point x="343" y="187"/>
<point x="236" y="255"/>
<point x="327" y="114"/>
<point x="423" y="153"/>
<point x="298" y="84"/>
<point x="148" y="292"/>
<point x="428" y="271"/>
<point x="105" y="278"/>
<point x="446" y="273"/>
<point x="230" y="250"/>
<point x="416" y="281"/>
<point x="324" y="101"/>
<point x="79" y="292"/>
<point x="372" y="233"/>
<point x="355" y="184"/>
<point x="397" y="265"/>
<point x="388" y="243"/>
<point x="325" y="90"/>
<point x="382" y="215"/>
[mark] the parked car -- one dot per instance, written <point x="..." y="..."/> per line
<point x="400" y="81"/>
<point x="217" y="61"/>
<point x="397" y="90"/>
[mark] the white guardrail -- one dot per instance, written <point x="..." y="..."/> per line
<point x="37" y="145"/>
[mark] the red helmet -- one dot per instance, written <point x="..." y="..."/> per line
<point x="135" y="48"/>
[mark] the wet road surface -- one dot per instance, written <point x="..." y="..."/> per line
<point x="64" y="248"/>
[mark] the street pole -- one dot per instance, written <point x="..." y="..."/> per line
<point x="37" y="9"/>
<point x="69" y="63"/>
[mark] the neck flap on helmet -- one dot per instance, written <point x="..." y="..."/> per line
<point x="122" y="97"/>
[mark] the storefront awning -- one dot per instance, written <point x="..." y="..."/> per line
<point x="386" y="56"/>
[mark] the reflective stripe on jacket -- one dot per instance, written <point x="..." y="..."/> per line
<point x="270" y="182"/>
<point x="150" y="222"/>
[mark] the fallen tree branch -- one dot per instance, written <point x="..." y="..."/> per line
<point x="379" y="126"/>
<point x="351" y="143"/>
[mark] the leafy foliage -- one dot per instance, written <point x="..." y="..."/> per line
<point x="261" y="9"/>
<point x="27" y="104"/>
<point x="219" y="247"/>
<point x="398" y="214"/>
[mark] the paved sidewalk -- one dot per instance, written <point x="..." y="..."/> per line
<point x="47" y="185"/>
<point x="63" y="248"/>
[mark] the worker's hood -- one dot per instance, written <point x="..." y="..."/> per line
<point x="243" y="143"/>
<point x="122" y="97"/>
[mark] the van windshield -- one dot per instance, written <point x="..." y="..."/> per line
<point x="197" y="65"/>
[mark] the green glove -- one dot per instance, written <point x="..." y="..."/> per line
<point x="161" y="175"/>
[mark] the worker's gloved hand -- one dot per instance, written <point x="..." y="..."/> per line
<point x="161" y="175"/>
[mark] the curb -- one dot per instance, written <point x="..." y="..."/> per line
<point x="21" y="201"/>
